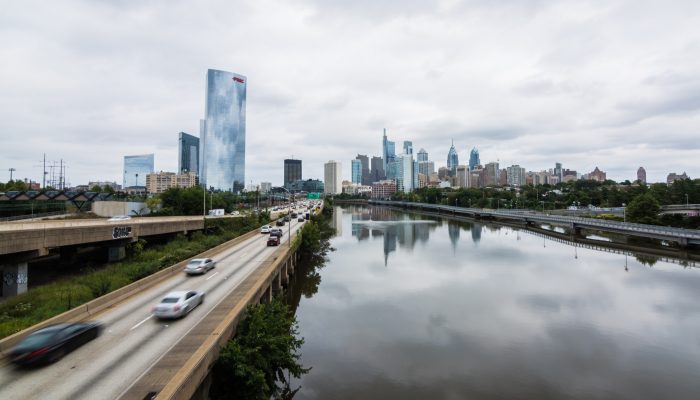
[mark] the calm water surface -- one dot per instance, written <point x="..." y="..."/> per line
<point x="413" y="307"/>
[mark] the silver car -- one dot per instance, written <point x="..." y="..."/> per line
<point x="199" y="266"/>
<point x="178" y="304"/>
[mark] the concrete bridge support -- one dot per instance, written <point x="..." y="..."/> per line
<point x="15" y="277"/>
<point x="116" y="253"/>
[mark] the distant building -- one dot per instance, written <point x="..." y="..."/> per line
<point x="597" y="175"/>
<point x="356" y="171"/>
<point x="516" y="175"/>
<point x="462" y="175"/>
<point x="672" y="177"/>
<point x="116" y="187"/>
<point x="426" y="167"/>
<point x="476" y="177"/>
<point x="333" y="177"/>
<point x="452" y="160"/>
<point x="422" y="155"/>
<point x="309" y="186"/>
<point x="503" y="177"/>
<point x="388" y="151"/>
<point x="292" y="171"/>
<point x="558" y="172"/>
<point x="222" y="146"/>
<point x="474" y="158"/>
<point x="404" y="173"/>
<point x="136" y="168"/>
<point x="365" y="176"/>
<point x="407" y="147"/>
<point x="491" y="174"/>
<point x="377" y="172"/>
<point x="383" y="189"/>
<point x="443" y="173"/>
<point x="162" y="181"/>
<point x="188" y="153"/>
<point x="265" y="187"/>
<point x="642" y="175"/>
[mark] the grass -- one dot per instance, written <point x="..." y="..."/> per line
<point x="47" y="301"/>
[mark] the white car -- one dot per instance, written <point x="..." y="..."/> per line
<point x="120" y="218"/>
<point x="265" y="229"/>
<point x="199" y="266"/>
<point x="178" y="304"/>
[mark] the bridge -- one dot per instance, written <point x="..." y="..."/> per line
<point x="683" y="237"/>
<point x="684" y="209"/>
<point x="139" y="357"/>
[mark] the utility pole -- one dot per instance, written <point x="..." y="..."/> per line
<point x="13" y="170"/>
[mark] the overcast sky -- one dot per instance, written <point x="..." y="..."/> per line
<point x="613" y="84"/>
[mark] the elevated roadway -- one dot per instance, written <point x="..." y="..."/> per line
<point x="137" y="354"/>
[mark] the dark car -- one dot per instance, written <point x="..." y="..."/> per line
<point x="50" y="344"/>
<point x="273" y="240"/>
<point x="286" y="218"/>
<point x="276" y="232"/>
<point x="279" y="222"/>
<point x="294" y="215"/>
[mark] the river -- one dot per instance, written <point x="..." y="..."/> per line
<point x="418" y="307"/>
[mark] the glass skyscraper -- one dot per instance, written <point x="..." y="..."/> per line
<point x="356" y="169"/>
<point x="474" y="159"/>
<point x="388" y="151"/>
<point x="188" y="153"/>
<point x="136" y="168"/>
<point x="222" y="148"/>
<point x="452" y="160"/>
<point x="292" y="172"/>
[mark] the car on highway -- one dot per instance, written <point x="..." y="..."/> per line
<point x="286" y="218"/>
<point x="199" y="266"/>
<point x="178" y="304"/>
<point x="301" y="219"/>
<point x="280" y="222"/>
<point x="51" y="343"/>
<point x="119" y="218"/>
<point x="276" y="232"/>
<point x="265" y="229"/>
<point x="273" y="240"/>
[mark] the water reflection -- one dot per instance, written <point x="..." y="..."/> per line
<point x="519" y="315"/>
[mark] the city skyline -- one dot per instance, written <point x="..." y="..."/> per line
<point x="580" y="84"/>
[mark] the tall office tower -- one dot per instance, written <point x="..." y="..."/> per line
<point x="388" y="151"/>
<point x="425" y="167"/>
<point x="462" y="174"/>
<point x="491" y="174"/>
<point x="407" y="147"/>
<point x="452" y="159"/>
<point x="365" y="178"/>
<point x="642" y="175"/>
<point x="222" y="147"/>
<point x="136" y="168"/>
<point x="292" y="171"/>
<point x="404" y="173"/>
<point x="377" y="173"/>
<point x="422" y="155"/>
<point x="558" y="171"/>
<point x="515" y="175"/>
<point x="188" y="153"/>
<point x="333" y="177"/>
<point x="474" y="158"/>
<point x="356" y="171"/>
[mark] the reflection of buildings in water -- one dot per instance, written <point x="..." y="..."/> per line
<point x="453" y="230"/>
<point x="389" y="242"/>
<point x="359" y="231"/>
<point x="422" y="232"/>
<point x="476" y="232"/>
<point x="337" y="221"/>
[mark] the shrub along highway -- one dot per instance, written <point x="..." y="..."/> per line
<point x="132" y="340"/>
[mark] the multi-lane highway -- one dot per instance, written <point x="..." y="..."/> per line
<point x="132" y="340"/>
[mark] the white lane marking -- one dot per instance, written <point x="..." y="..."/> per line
<point x="141" y="323"/>
<point x="211" y="276"/>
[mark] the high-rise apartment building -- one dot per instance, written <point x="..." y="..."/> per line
<point x="426" y="167"/>
<point x="422" y="155"/>
<point x="491" y="174"/>
<point x="377" y="172"/>
<point x="452" y="159"/>
<point x="515" y="175"/>
<point x="162" y="181"/>
<point x="404" y="173"/>
<point x="136" y="168"/>
<point x="222" y="145"/>
<point x="474" y="158"/>
<point x="292" y="171"/>
<point x="356" y="171"/>
<point x="462" y="175"/>
<point x="388" y="151"/>
<point x="332" y="177"/>
<point x="188" y="153"/>
<point x="672" y="177"/>
<point x="642" y="175"/>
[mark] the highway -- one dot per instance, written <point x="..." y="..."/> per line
<point x="132" y="341"/>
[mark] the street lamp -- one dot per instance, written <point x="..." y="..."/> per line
<point x="686" y="195"/>
<point x="624" y="212"/>
<point x="13" y="170"/>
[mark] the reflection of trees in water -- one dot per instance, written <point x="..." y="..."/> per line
<point x="646" y="259"/>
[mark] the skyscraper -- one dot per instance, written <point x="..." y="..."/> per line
<point x="422" y="155"/>
<point x="642" y="175"/>
<point x="515" y="175"/>
<point x="558" y="172"/>
<point x="404" y="173"/>
<point x="491" y="174"/>
<point x="388" y="151"/>
<point x="365" y="177"/>
<point x="407" y="147"/>
<point x="332" y="177"/>
<point x="222" y="147"/>
<point x="452" y="159"/>
<point x="292" y="171"/>
<point x="188" y="153"/>
<point x="474" y="158"/>
<point x="377" y="173"/>
<point x="356" y="171"/>
<point x="136" y="168"/>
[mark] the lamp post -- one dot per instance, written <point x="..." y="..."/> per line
<point x="13" y="170"/>
<point x="624" y="212"/>
<point x="686" y="197"/>
<point x="204" y="201"/>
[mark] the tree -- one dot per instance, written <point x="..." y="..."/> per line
<point x="96" y="188"/>
<point x="643" y="209"/>
<point x="153" y="203"/>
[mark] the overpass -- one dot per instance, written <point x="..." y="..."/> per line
<point x="138" y="357"/>
<point x="683" y="237"/>
<point x="683" y="209"/>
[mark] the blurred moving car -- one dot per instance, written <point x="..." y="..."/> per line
<point x="50" y="344"/>
<point x="119" y="218"/>
<point x="280" y="222"/>
<point x="199" y="266"/>
<point x="178" y="304"/>
<point x="276" y="232"/>
<point x="265" y="229"/>
<point x="273" y="240"/>
<point x="300" y="219"/>
<point x="286" y="218"/>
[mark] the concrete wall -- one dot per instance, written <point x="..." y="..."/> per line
<point x="112" y="208"/>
